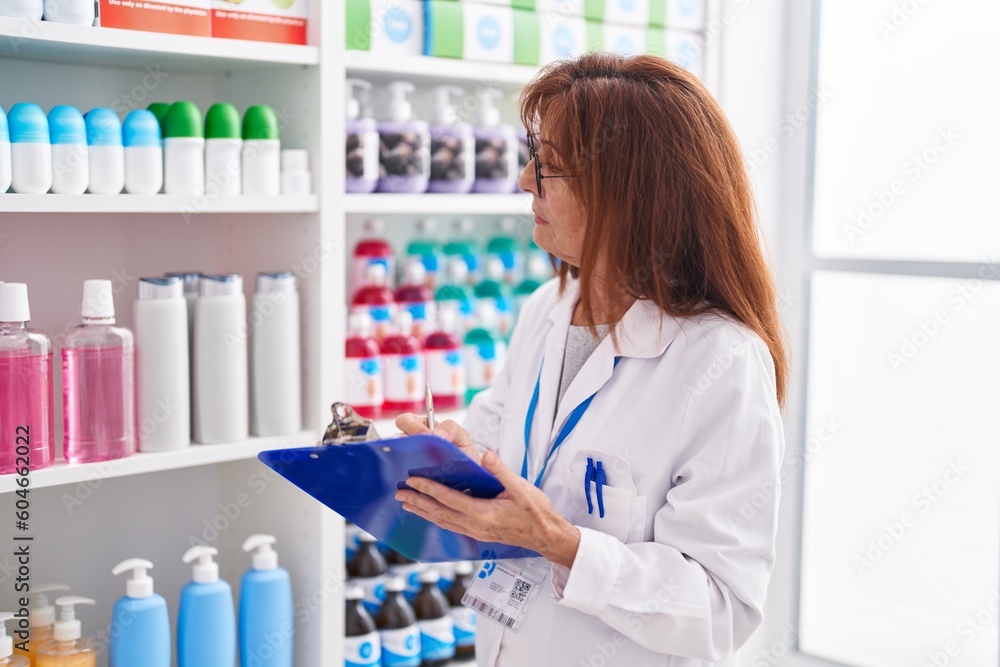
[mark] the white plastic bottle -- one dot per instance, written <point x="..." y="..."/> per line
<point x="30" y="151"/>
<point x="220" y="360"/>
<point x="143" y="153"/>
<point x="70" y="158"/>
<point x="296" y="179"/>
<point x="183" y="150"/>
<point x="223" y="169"/>
<point x="76" y="12"/>
<point x="261" y="152"/>
<point x="163" y="398"/>
<point x="4" y="153"/>
<point x="29" y="10"/>
<point x="276" y="366"/>
<point x="107" y="153"/>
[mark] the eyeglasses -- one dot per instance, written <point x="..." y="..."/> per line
<point x="533" y="155"/>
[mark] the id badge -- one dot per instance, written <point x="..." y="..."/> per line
<point x="503" y="591"/>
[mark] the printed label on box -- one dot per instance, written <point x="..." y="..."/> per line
<point x="282" y="21"/>
<point x="180" y="17"/>
<point x="489" y="33"/>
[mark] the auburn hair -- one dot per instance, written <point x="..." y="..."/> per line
<point x="659" y="171"/>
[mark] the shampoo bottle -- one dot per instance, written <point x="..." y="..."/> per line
<point x="404" y="145"/>
<point x="261" y="152"/>
<point x="25" y="384"/>
<point x="221" y="406"/>
<point x="163" y="383"/>
<point x="107" y="153"/>
<point x="445" y="357"/>
<point x="405" y="377"/>
<point x="7" y="657"/>
<point x="70" y="159"/>
<point x="276" y="357"/>
<point x="363" y="381"/>
<point x="206" y="621"/>
<point x="437" y="628"/>
<point x="183" y="150"/>
<point x="266" y="621"/>
<point x="30" y="151"/>
<point x="398" y="628"/>
<point x="362" y="142"/>
<point x="98" y="362"/>
<point x="28" y="10"/>
<point x="223" y="144"/>
<point x="67" y="648"/>
<point x="41" y="618"/>
<point x="142" y="638"/>
<point x="496" y="147"/>
<point x="143" y="153"/>
<point x="4" y="153"/>
<point x="362" y="646"/>
<point x="453" y="146"/>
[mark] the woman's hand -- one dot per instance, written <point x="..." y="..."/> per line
<point x="521" y="516"/>
<point x="412" y="424"/>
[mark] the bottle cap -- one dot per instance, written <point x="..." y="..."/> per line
<point x="447" y="320"/>
<point x="404" y="322"/>
<point x="537" y="267"/>
<point x="4" y="132"/>
<point x="104" y="128"/>
<point x="375" y="274"/>
<point x="160" y="288"/>
<point x="294" y="160"/>
<point x="458" y="271"/>
<point x="14" y="302"/>
<point x="206" y="570"/>
<point x="353" y="102"/>
<point x="183" y="120"/>
<point x="494" y="268"/>
<point x="98" y="300"/>
<point x="66" y="126"/>
<point x="28" y="124"/>
<point x="42" y="614"/>
<point x="141" y="130"/>
<point x="6" y="643"/>
<point x="489" y="114"/>
<point x="67" y="628"/>
<point x="374" y="226"/>
<point x="444" y="111"/>
<point x="222" y="122"/>
<point x="140" y="584"/>
<point x="260" y="123"/>
<point x="395" y="585"/>
<point x="430" y="576"/>
<point x="159" y="109"/>
<point x="189" y="278"/>
<point x="281" y="281"/>
<point x="224" y="284"/>
<point x="415" y="273"/>
<point x="354" y="593"/>
<point x="360" y="325"/>
<point x="400" y="108"/>
<point x="264" y="557"/>
<point x="463" y="568"/>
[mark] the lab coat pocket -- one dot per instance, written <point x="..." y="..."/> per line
<point x="624" y="512"/>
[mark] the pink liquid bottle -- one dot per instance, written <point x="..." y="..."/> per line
<point x="363" y="368"/>
<point x="25" y="386"/>
<point x="372" y="250"/>
<point x="376" y="300"/>
<point x="405" y="380"/>
<point x="98" y="382"/>
<point x="445" y="356"/>
<point x="416" y="298"/>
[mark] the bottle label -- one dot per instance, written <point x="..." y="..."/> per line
<point x="404" y="377"/>
<point x="374" y="588"/>
<point x="410" y="574"/>
<point x="362" y="155"/>
<point x="363" y="651"/>
<point x="451" y="157"/>
<point x="437" y="638"/>
<point x="363" y="384"/>
<point x="404" y="154"/>
<point x="465" y="625"/>
<point x="446" y="372"/>
<point x="484" y="363"/>
<point x="401" y="648"/>
<point x="495" y="159"/>
<point x="423" y="313"/>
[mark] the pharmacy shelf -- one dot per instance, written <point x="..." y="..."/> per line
<point x="62" y="473"/>
<point x="438" y="204"/>
<point x="40" y="40"/>
<point x="425" y="69"/>
<point x="183" y="204"/>
<point x="386" y="428"/>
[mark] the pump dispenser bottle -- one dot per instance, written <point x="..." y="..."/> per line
<point x="453" y="146"/>
<point x="266" y="621"/>
<point x="404" y="145"/>
<point x="7" y="657"/>
<point x="496" y="147"/>
<point x="362" y="142"/>
<point x="67" y="648"/>
<point x="206" y="621"/>
<point x="41" y="618"/>
<point x="143" y="626"/>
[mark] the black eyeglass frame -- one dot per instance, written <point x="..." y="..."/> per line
<point x="533" y="155"/>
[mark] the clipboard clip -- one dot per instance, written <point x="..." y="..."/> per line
<point x="348" y="427"/>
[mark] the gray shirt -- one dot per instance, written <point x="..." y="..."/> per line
<point x="580" y="344"/>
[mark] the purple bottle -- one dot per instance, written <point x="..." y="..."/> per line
<point x="453" y="147"/>
<point x="25" y="386"/>
<point x="404" y="145"/>
<point x="362" y="143"/>
<point x="496" y="148"/>
<point x="98" y="382"/>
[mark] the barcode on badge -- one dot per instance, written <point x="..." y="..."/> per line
<point x="520" y="591"/>
<point x="491" y="611"/>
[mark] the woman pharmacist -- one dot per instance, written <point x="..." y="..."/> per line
<point x="635" y="424"/>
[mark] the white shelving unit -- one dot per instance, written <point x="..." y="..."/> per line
<point x="86" y="518"/>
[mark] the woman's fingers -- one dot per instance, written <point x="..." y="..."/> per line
<point x="412" y="424"/>
<point x="451" y="431"/>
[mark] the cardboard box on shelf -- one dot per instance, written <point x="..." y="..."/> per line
<point x="180" y="17"/>
<point x="484" y="32"/>
<point x="687" y="49"/>
<point x="628" y="40"/>
<point x="562" y="37"/>
<point x="392" y="27"/>
<point x="686" y="14"/>
<point x="281" y="21"/>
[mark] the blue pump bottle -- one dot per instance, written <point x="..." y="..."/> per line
<point x="266" y="617"/>
<point x="144" y="636"/>
<point x="206" y="621"/>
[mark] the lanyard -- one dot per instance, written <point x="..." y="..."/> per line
<point x="564" y="432"/>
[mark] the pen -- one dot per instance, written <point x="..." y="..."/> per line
<point x="429" y="405"/>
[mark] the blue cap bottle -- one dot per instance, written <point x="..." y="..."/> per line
<point x="30" y="153"/>
<point x="70" y="161"/>
<point x="107" y="155"/>
<point x="143" y="153"/>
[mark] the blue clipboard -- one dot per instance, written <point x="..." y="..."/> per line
<point x="359" y="482"/>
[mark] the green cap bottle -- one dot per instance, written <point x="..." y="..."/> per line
<point x="222" y="122"/>
<point x="183" y="120"/>
<point x="260" y="123"/>
<point x="159" y="110"/>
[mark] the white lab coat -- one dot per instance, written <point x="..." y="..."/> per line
<point x="689" y="430"/>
